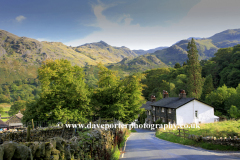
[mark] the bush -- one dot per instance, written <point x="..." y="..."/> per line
<point x="159" y="121"/>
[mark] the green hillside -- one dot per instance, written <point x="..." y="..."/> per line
<point x="20" y="56"/>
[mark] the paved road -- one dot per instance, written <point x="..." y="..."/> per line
<point x="144" y="145"/>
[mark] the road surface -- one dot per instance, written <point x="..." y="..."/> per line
<point x="143" y="145"/>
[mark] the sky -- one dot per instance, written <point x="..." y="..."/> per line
<point x="136" y="24"/>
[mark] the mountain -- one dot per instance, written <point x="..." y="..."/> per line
<point x="138" y="64"/>
<point x="21" y="56"/>
<point x="141" y="52"/>
<point x="207" y="47"/>
<point x="228" y="38"/>
<point x="102" y="52"/>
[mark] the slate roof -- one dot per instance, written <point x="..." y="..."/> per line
<point x="3" y="124"/>
<point x="19" y="115"/>
<point x="147" y="105"/>
<point x="172" y="102"/>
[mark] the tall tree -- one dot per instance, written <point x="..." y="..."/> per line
<point x="177" y="65"/>
<point x="195" y="80"/>
<point x="207" y="87"/>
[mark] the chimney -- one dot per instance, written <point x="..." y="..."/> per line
<point x="153" y="98"/>
<point x="165" y="94"/>
<point x="182" y="93"/>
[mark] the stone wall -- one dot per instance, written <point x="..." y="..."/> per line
<point x="40" y="135"/>
<point x="87" y="144"/>
<point x="219" y="141"/>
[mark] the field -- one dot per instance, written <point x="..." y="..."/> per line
<point x="223" y="129"/>
<point x="6" y="107"/>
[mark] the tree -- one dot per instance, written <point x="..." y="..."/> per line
<point x="184" y="64"/>
<point x="19" y="105"/>
<point x="195" y="80"/>
<point x="117" y="98"/>
<point x="207" y="87"/>
<point x="219" y="97"/>
<point x="177" y="65"/>
<point x="64" y="93"/>
<point x="234" y="112"/>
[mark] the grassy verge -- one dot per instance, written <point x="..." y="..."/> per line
<point x="180" y="140"/>
<point x="6" y="107"/>
<point x="133" y="130"/>
<point x="217" y="129"/>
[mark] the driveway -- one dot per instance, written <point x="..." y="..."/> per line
<point x="144" y="145"/>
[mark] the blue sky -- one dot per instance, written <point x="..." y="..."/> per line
<point x="136" y="24"/>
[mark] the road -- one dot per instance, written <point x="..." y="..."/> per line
<point x="144" y="145"/>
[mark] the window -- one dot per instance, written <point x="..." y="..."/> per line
<point x="149" y="113"/>
<point x="153" y="108"/>
<point x="154" y="118"/>
<point x="169" y="110"/>
<point x="162" y="109"/>
<point x="170" y="121"/>
<point x="196" y="114"/>
<point x="163" y="120"/>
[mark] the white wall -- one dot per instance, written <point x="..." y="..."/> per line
<point x="186" y="113"/>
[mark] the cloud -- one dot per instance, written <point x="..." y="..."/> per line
<point x="203" y="20"/>
<point x="20" y="18"/>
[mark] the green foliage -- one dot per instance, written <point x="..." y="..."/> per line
<point x="207" y="87"/>
<point x="177" y="65"/>
<point x="195" y="81"/>
<point x="4" y="99"/>
<point x="117" y="98"/>
<point x="234" y="112"/>
<point x="64" y="94"/>
<point x="115" y="153"/>
<point x="159" y="121"/>
<point x="19" y="105"/>
<point x="142" y="117"/>
<point x="219" y="97"/>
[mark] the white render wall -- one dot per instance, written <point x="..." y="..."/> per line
<point x="186" y="113"/>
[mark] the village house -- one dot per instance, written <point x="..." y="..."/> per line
<point x="179" y="110"/>
<point x="15" y="121"/>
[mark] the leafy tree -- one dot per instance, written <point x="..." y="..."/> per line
<point x="64" y="93"/>
<point x="177" y="65"/>
<point x="207" y="87"/>
<point x="19" y="105"/>
<point x="219" y="97"/>
<point x="234" y="112"/>
<point x="184" y="64"/>
<point x="195" y="81"/>
<point x="4" y="99"/>
<point x="117" y="98"/>
<point x="233" y="99"/>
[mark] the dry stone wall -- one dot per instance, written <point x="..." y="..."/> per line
<point x="48" y="144"/>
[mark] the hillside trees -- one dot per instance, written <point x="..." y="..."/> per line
<point x="64" y="93"/>
<point x="207" y="87"/>
<point x="195" y="80"/>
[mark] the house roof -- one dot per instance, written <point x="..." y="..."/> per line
<point x="3" y="124"/>
<point x="19" y="115"/>
<point x="147" y="105"/>
<point x="172" y="102"/>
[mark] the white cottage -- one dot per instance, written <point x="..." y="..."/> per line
<point x="182" y="110"/>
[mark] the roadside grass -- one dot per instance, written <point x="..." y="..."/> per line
<point x="133" y="130"/>
<point x="181" y="140"/>
<point x="222" y="129"/>
<point x="6" y="107"/>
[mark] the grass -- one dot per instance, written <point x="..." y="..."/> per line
<point x="6" y="107"/>
<point x="133" y="130"/>
<point x="217" y="129"/>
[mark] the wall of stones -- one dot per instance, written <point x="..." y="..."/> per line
<point x="231" y="141"/>
<point x="91" y="144"/>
